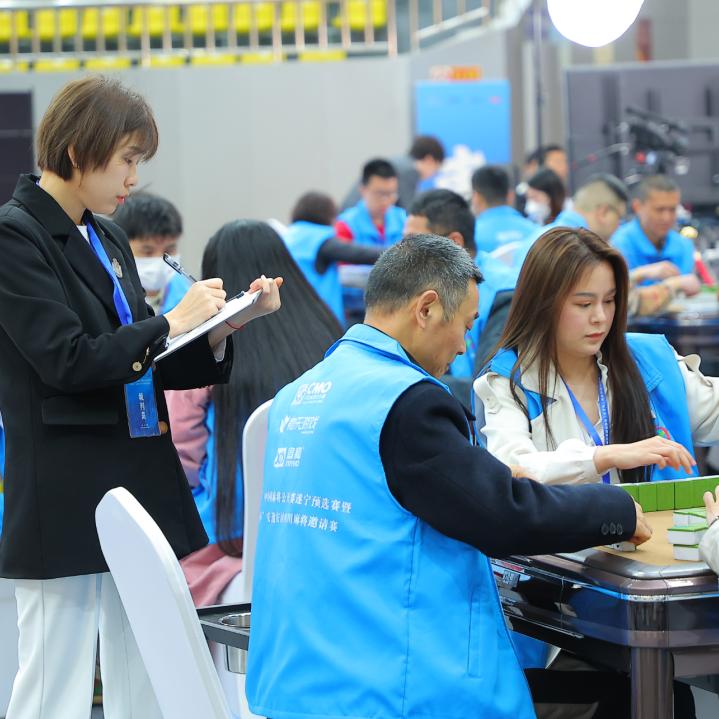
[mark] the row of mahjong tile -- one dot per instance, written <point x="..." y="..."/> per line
<point x="671" y="494"/>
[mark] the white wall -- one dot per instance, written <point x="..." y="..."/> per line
<point x="247" y="141"/>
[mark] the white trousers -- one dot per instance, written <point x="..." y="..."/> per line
<point x="59" y="621"/>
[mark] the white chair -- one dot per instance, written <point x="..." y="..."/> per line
<point x="8" y="642"/>
<point x="505" y="253"/>
<point x="159" y="607"/>
<point x="254" y="441"/>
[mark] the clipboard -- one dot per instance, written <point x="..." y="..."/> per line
<point x="236" y="306"/>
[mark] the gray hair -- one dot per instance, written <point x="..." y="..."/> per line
<point x="419" y="263"/>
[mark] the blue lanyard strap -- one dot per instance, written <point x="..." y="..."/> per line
<point x="118" y="296"/>
<point x="603" y="413"/>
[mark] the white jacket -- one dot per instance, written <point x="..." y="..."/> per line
<point x="570" y="458"/>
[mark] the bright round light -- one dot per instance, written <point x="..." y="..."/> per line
<point x="593" y="22"/>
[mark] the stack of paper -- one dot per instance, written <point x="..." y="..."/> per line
<point x="688" y="530"/>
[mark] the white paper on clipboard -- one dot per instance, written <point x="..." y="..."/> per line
<point x="235" y="306"/>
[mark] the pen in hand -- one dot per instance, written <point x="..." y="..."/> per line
<point x="178" y="268"/>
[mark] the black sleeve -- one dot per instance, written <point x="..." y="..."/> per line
<point x="465" y="493"/>
<point x="195" y="366"/>
<point x="334" y="250"/>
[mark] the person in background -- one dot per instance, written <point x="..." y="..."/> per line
<point x="154" y="227"/>
<point x="404" y="512"/>
<point x="427" y="153"/>
<point x="313" y="245"/>
<point x="447" y="214"/>
<point x="498" y="223"/>
<point x="553" y="157"/>
<point x="375" y="219"/>
<point x="599" y="205"/>
<point x="546" y="195"/>
<point x="650" y="237"/>
<point x="420" y="165"/>
<point x="208" y="422"/>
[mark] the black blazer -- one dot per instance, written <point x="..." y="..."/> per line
<point x="64" y="358"/>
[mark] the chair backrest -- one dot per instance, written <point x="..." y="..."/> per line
<point x="159" y="607"/>
<point x="254" y="440"/>
<point x="505" y="253"/>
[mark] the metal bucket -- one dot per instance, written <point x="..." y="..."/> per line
<point x="236" y="659"/>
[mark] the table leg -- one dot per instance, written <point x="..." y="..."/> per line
<point x="652" y="677"/>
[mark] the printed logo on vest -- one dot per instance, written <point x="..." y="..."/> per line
<point x="288" y="457"/>
<point x="663" y="432"/>
<point x="305" y="425"/>
<point x="312" y="393"/>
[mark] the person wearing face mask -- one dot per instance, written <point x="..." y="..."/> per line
<point x="546" y="196"/>
<point x="154" y="226"/>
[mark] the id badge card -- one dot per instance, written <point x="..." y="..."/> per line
<point x="142" y="407"/>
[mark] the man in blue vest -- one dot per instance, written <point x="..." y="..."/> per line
<point x="498" y="223"/>
<point x="375" y="219"/>
<point x="650" y="237"/>
<point x="373" y="595"/>
<point x="445" y="213"/>
<point x="312" y="243"/>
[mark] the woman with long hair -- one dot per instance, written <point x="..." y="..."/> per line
<point x="570" y="396"/>
<point x="208" y="423"/>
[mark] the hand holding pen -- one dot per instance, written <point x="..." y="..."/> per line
<point x="203" y="300"/>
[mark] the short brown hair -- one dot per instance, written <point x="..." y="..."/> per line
<point x="93" y="116"/>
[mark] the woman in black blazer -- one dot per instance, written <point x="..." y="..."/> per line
<point x="75" y="337"/>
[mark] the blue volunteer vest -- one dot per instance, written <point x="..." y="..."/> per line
<point x="365" y="231"/>
<point x="304" y="239"/>
<point x="498" y="226"/>
<point x="205" y="493"/>
<point x="360" y="609"/>
<point x="664" y="382"/>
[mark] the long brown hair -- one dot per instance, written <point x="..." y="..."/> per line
<point x="553" y="267"/>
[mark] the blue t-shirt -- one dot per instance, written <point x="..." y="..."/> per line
<point x="638" y="249"/>
<point x="498" y="226"/>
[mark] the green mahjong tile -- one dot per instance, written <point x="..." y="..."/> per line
<point x="665" y="496"/>
<point x="632" y="490"/>
<point x="710" y="485"/>
<point x="683" y="498"/>
<point x="648" y="496"/>
<point x="697" y="491"/>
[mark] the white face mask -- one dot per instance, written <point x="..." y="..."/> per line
<point x="154" y="272"/>
<point x="537" y="211"/>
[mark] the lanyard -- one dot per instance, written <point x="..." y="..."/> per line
<point x="118" y="296"/>
<point x="604" y="414"/>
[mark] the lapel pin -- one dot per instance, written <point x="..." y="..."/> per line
<point x="116" y="268"/>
